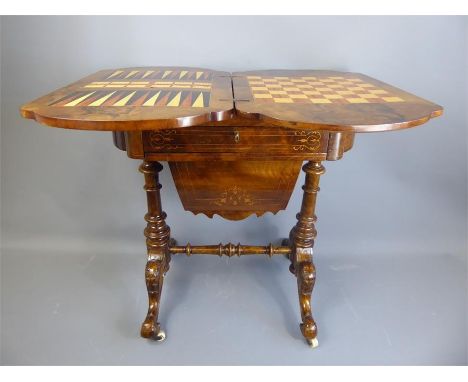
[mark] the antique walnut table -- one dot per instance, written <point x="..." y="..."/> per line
<point x="235" y="144"/>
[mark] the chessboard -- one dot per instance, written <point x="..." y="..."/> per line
<point x="317" y="90"/>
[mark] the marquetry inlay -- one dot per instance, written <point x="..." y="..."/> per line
<point x="318" y="90"/>
<point x="153" y="88"/>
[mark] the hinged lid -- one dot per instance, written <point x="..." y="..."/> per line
<point x="327" y="100"/>
<point x="166" y="97"/>
<point x="137" y="99"/>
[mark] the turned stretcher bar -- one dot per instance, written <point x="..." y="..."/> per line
<point x="229" y="250"/>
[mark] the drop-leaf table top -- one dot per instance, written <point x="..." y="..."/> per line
<point x="149" y="98"/>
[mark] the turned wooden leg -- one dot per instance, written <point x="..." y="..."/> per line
<point x="157" y="242"/>
<point x="301" y="241"/>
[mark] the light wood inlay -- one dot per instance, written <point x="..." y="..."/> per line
<point x="156" y="98"/>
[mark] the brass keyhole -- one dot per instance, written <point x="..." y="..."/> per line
<point x="236" y="137"/>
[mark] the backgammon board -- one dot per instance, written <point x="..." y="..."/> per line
<point x="137" y="99"/>
<point x="235" y="144"/>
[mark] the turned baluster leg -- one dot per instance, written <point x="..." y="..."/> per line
<point x="301" y="241"/>
<point x="157" y="242"/>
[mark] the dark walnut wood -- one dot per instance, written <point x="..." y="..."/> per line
<point x="157" y="242"/>
<point x="235" y="145"/>
<point x="232" y="143"/>
<point x="250" y="141"/>
<point x="137" y="99"/>
<point x="302" y="238"/>
<point x="235" y="190"/>
<point x="230" y="250"/>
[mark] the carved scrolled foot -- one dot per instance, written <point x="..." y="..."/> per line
<point x="150" y="327"/>
<point x="308" y="329"/>
<point x="152" y="331"/>
<point x="305" y="281"/>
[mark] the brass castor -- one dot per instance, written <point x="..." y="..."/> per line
<point x="160" y="337"/>
<point x="313" y="343"/>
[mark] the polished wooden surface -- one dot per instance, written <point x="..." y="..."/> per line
<point x="248" y="140"/>
<point x="230" y="250"/>
<point x="240" y="141"/>
<point x="157" y="234"/>
<point x="235" y="190"/>
<point x="327" y="100"/>
<point x="301" y="240"/>
<point x="152" y="98"/>
<point x="137" y="99"/>
<point x="233" y="143"/>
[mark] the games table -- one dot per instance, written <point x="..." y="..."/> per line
<point x="235" y="144"/>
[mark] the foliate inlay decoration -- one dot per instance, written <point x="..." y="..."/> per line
<point x="163" y="140"/>
<point x="235" y="190"/>
<point x="307" y="140"/>
<point x="234" y="196"/>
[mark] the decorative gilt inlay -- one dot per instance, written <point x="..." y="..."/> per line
<point x="302" y="140"/>
<point x="234" y="196"/>
<point x="307" y="140"/>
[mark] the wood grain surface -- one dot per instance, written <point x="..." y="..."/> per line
<point x="327" y="100"/>
<point x="137" y="99"/>
<point x="153" y="98"/>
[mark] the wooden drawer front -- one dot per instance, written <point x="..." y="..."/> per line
<point x="235" y="140"/>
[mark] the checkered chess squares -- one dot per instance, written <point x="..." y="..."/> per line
<point x="317" y="90"/>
